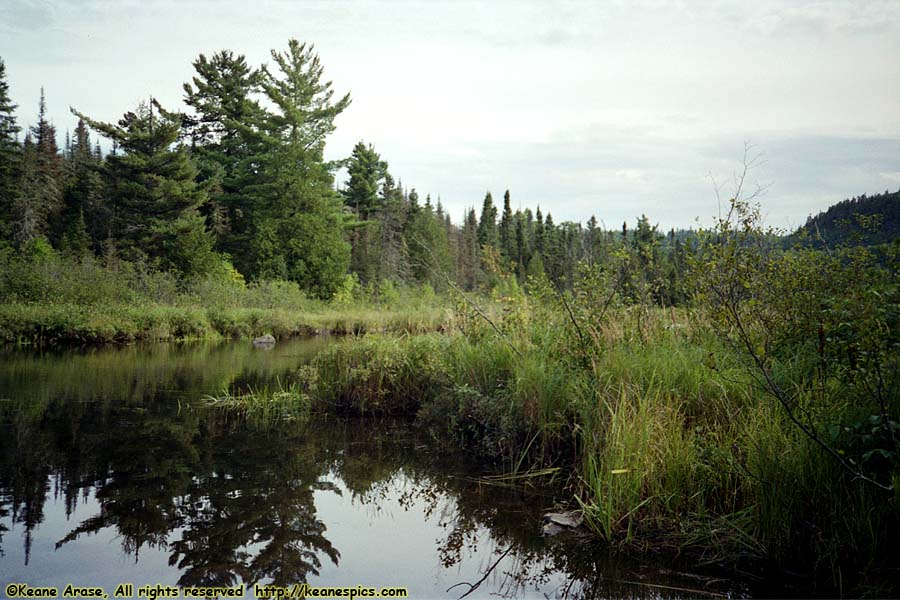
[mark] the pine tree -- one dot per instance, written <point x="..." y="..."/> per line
<point x="154" y="194"/>
<point x="487" y="226"/>
<point x="10" y="156"/>
<point x="225" y="143"/>
<point x="507" y="229"/>
<point x="39" y="195"/>
<point x="297" y="215"/>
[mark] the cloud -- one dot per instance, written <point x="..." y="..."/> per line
<point x="22" y="16"/>
<point x="816" y="17"/>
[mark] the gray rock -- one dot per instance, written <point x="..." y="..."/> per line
<point x="555" y="523"/>
<point x="265" y="341"/>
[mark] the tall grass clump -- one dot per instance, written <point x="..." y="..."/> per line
<point x="640" y="466"/>
<point x="378" y="375"/>
<point x="266" y="404"/>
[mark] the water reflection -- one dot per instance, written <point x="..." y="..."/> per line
<point x="103" y="452"/>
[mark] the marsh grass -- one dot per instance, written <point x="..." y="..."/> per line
<point x="55" y="324"/>
<point x="666" y="439"/>
<point x="268" y="403"/>
<point x="57" y="300"/>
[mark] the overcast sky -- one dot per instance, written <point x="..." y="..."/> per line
<point x="606" y="108"/>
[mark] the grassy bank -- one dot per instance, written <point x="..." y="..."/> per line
<point x="667" y="441"/>
<point x="118" y="323"/>
<point x="52" y="299"/>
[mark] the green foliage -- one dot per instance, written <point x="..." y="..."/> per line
<point x="348" y="291"/>
<point x="864" y="220"/>
<point x="154" y="192"/>
<point x="366" y="171"/>
<point x="10" y="156"/>
<point x="378" y="375"/>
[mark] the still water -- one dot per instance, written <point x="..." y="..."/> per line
<point x="113" y="471"/>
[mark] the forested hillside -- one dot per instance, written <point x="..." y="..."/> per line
<point x="863" y="220"/>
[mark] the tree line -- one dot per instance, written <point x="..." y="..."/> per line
<point x="237" y="186"/>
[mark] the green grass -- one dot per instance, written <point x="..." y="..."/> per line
<point x="266" y="404"/>
<point x="55" y="324"/>
<point x="54" y="300"/>
<point x="668" y="441"/>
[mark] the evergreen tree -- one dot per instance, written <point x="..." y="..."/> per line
<point x="520" y="245"/>
<point x="469" y="266"/>
<point x="507" y="229"/>
<point x="429" y="250"/>
<point x="394" y="263"/>
<point x="366" y="171"/>
<point x="27" y="215"/>
<point x="153" y="191"/>
<point x="10" y="156"/>
<point x="487" y="226"/>
<point x="298" y="221"/>
<point x="225" y="142"/>
<point x="539" y="232"/>
<point x="82" y="200"/>
<point x="39" y="195"/>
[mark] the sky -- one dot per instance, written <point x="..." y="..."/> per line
<point x="606" y="108"/>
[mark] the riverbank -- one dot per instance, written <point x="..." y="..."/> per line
<point x="74" y="324"/>
<point x="666" y="440"/>
<point x="51" y="299"/>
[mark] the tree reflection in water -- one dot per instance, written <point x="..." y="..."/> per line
<point x="233" y="501"/>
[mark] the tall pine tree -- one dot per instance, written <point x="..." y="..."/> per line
<point x="154" y="194"/>
<point x="487" y="226"/>
<point x="39" y="196"/>
<point x="10" y="156"/>
<point x="225" y="142"/>
<point x="298" y="220"/>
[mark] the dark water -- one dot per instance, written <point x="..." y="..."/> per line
<point x="113" y="472"/>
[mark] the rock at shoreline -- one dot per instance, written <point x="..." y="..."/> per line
<point x="265" y="341"/>
<point x="557" y="522"/>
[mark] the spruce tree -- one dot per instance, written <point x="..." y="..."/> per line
<point x="10" y="156"/>
<point x="39" y="195"/>
<point x="83" y="218"/>
<point x="366" y="171"/>
<point x="225" y="142"/>
<point x="394" y="256"/>
<point x="539" y="232"/>
<point x="429" y="250"/>
<point x="519" y="256"/>
<point x="153" y="192"/>
<point x="487" y="226"/>
<point x="468" y="264"/>
<point x="507" y="229"/>
<point x="27" y="217"/>
<point x="297" y="215"/>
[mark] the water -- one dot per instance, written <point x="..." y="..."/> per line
<point x="114" y="472"/>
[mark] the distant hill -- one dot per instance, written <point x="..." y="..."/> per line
<point x="864" y="220"/>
